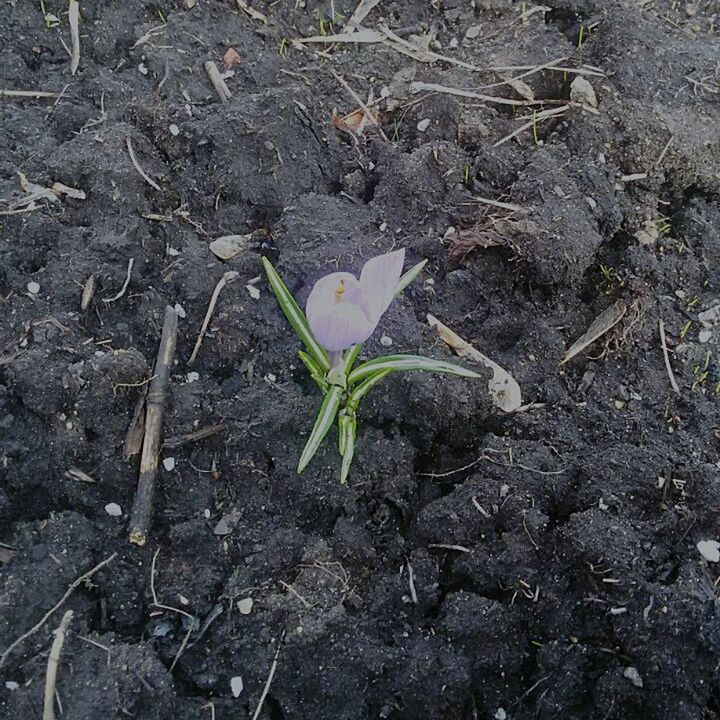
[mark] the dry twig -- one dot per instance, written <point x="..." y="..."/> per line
<point x="219" y="85"/>
<point x="269" y="680"/>
<point x="74" y="19"/>
<point x="227" y="278"/>
<point x="30" y="94"/>
<point x="666" y="357"/>
<point x="155" y="407"/>
<point x="52" y="666"/>
<point x="124" y="288"/>
<point x="77" y="582"/>
<point x="135" y="162"/>
<point x="371" y="118"/>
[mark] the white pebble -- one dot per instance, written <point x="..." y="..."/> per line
<point x="180" y="310"/>
<point x="386" y="341"/>
<point x="236" y="685"/>
<point x="33" y="287"/>
<point x="174" y="130"/>
<point x="271" y="377"/>
<point x="633" y="676"/>
<point x="383" y="227"/>
<point x="472" y="32"/>
<point x="193" y="377"/>
<point x="253" y="292"/>
<point x="206" y="513"/>
<point x="500" y="714"/>
<point x="453" y="43"/>
<point x="113" y="510"/>
<point x="710" y="550"/>
<point x="142" y="68"/>
<point x="11" y="685"/>
<point x="169" y="463"/>
<point x="704" y="336"/>
<point x="423" y="125"/>
<point x="245" y="606"/>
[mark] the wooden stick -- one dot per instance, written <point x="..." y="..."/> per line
<point x="666" y="356"/>
<point x="228" y="277"/>
<point x="155" y="406"/>
<point x="74" y="19"/>
<point x="52" y="667"/>
<point x="366" y="110"/>
<point x="58" y="604"/>
<point x="32" y="94"/>
<point x="222" y="90"/>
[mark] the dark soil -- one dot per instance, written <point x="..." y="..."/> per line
<point x="552" y="552"/>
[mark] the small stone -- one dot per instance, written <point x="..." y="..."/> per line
<point x="113" y="510"/>
<point x="453" y="43"/>
<point x="245" y="606"/>
<point x="192" y="377"/>
<point x="236" y="685"/>
<point x="207" y="513"/>
<point x="229" y="246"/>
<point x="704" y="336"/>
<point x="223" y="526"/>
<point x="174" y="130"/>
<point x="169" y="463"/>
<point x="253" y="292"/>
<point x="472" y="32"/>
<point x="386" y="341"/>
<point x="708" y="317"/>
<point x="142" y="69"/>
<point x="180" y="310"/>
<point x="581" y="91"/>
<point x="500" y="714"/>
<point x="423" y="125"/>
<point x="271" y="377"/>
<point x="383" y="227"/>
<point x="33" y="287"/>
<point x="11" y="685"/>
<point x="633" y="676"/>
<point x="710" y="550"/>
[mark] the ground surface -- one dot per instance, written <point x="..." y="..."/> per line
<point x="574" y="587"/>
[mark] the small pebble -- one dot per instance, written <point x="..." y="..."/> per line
<point x="383" y="227"/>
<point x="169" y="463"/>
<point x="453" y="43"/>
<point x="236" y="685"/>
<point x="423" y="125"/>
<point x="633" y="676"/>
<point x="206" y="513"/>
<point x="271" y="377"/>
<point x="180" y="310"/>
<point x="174" y="130"/>
<point x="710" y="550"/>
<point x="173" y="252"/>
<point x="142" y="68"/>
<point x="245" y="606"/>
<point x="192" y="377"/>
<point x="472" y="32"/>
<point x="33" y="287"/>
<point x="500" y="714"/>
<point x="113" y="510"/>
<point x="704" y="336"/>
<point x="386" y="341"/>
<point x="253" y="292"/>
<point x="11" y="685"/>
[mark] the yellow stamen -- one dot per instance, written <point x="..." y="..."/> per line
<point x="339" y="291"/>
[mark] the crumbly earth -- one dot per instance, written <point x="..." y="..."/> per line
<point x="541" y="564"/>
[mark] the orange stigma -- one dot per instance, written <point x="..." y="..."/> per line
<point x="340" y="291"/>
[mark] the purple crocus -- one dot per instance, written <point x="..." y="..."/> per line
<point x="343" y="310"/>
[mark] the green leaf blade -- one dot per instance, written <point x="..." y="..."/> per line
<point x="348" y="431"/>
<point x="409" y="276"/>
<point x="365" y="386"/>
<point x="407" y="363"/>
<point x="323" y="423"/>
<point x="295" y="316"/>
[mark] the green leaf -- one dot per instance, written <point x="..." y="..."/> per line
<point x="351" y="355"/>
<point x="410" y="275"/>
<point x="295" y="316"/>
<point x="325" y="419"/>
<point x="347" y="426"/>
<point x="316" y="372"/>
<point x="365" y="387"/>
<point x="406" y="363"/>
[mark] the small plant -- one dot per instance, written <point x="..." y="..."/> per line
<point x="342" y="313"/>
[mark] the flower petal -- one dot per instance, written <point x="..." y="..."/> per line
<point x="340" y="325"/>
<point x="322" y="296"/>
<point x="378" y="280"/>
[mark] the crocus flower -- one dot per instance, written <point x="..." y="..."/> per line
<point x="343" y="310"/>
